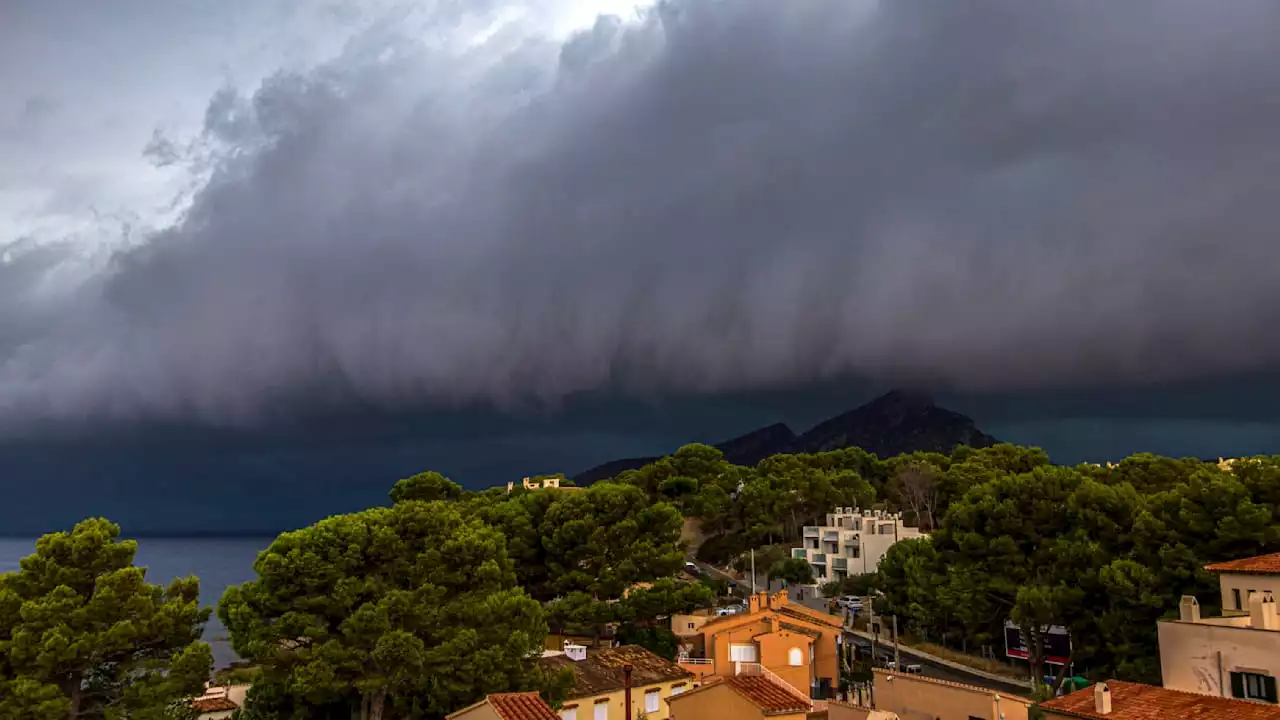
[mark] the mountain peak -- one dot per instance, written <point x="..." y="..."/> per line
<point x="900" y="421"/>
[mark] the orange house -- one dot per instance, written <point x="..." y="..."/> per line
<point x="742" y="697"/>
<point x="798" y="644"/>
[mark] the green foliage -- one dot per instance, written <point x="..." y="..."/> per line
<point x="658" y="640"/>
<point x="411" y="609"/>
<point x="82" y="634"/>
<point x="427" y="486"/>
<point x="1103" y="551"/>
<point x="795" y="571"/>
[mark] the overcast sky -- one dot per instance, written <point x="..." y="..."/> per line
<point x="230" y="214"/>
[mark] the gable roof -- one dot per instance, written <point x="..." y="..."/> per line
<point x="1135" y="701"/>
<point x="521" y="706"/>
<point x="771" y="697"/>
<point x="1259" y="565"/>
<point x="796" y="612"/>
<point x="602" y="673"/>
<point x="217" y="704"/>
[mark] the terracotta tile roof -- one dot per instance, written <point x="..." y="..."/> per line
<point x="1260" y="565"/>
<point x="601" y="672"/>
<point x="219" y="704"/>
<point x="521" y="706"/>
<point x="1134" y="701"/>
<point x="771" y="697"/>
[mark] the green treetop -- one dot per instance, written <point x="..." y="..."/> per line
<point x="83" y="635"/>
<point x="409" y="611"/>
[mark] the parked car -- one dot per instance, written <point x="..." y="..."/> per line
<point x="914" y="668"/>
<point x="692" y="569"/>
<point x="730" y="610"/>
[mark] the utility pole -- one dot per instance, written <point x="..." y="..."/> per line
<point x="753" y="571"/>
<point x="897" y="660"/>
<point x="871" y="625"/>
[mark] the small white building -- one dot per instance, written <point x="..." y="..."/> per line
<point x="852" y="542"/>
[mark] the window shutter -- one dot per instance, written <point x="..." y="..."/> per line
<point x="1269" y="688"/>
<point x="1237" y="685"/>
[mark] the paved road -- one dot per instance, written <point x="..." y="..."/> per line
<point x="939" y="672"/>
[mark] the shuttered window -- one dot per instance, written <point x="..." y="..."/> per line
<point x="569" y="714"/>
<point x="602" y="711"/>
<point x="1253" y="686"/>
<point x="651" y="698"/>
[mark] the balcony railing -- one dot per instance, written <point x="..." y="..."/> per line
<point x="798" y="553"/>
<point x="811" y="530"/>
<point x="819" y="558"/>
<point x="832" y="535"/>
<point x="839" y="563"/>
<point x="685" y="659"/>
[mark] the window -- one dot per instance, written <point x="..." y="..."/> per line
<point x="677" y="689"/>
<point x="1235" y="595"/>
<point x="651" y="698"/>
<point x="742" y="653"/>
<point x="795" y="657"/>
<point x="1253" y="686"/>
<point x="569" y="714"/>
<point x="602" y="711"/>
<point x="853" y="551"/>
<point x="691" y="624"/>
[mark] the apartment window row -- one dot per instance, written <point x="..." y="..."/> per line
<point x="1253" y="686"/>
<point x="600" y="711"/>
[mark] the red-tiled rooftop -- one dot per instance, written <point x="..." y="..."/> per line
<point x="1260" y="565"/>
<point x="769" y="696"/>
<point x="1134" y="701"/>
<point x="218" y="704"/>
<point x="521" y="706"/>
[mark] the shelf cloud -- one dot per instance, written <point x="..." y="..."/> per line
<point x="707" y="195"/>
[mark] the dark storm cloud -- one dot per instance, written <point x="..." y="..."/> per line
<point x="724" y="196"/>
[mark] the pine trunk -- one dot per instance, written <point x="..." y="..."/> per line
<point x="74" y="693"/>
<point x="379" y="700"/>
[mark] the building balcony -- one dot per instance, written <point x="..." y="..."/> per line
<point x="839" y="563"/>
<point x="800" y="553"/>
<point x="831" y="535"/>
<point x="819" y="559"/>
<point x="812" y="531"/>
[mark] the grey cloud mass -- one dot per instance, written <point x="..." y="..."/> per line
<point x="710" y="196"/>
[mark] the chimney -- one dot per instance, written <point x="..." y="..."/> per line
<point x="1102" y="699"/>
<point x="1262" y="611"/>
<point x="1189" y="609"/>
<point x="626" y="691"/>
<point x="779" y="599"/>
<point x="753" y="603"/>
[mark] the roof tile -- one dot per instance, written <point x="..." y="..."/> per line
<point x="601" y="672"/>
<point x="1260" y="565"/>
<point x="217" y="704"/>
<point x="1135" y="701"/>
<point x="771" y="697"/>
<point x="521" y="706"/>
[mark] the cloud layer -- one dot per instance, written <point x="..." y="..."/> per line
<point x="713" y="196"/>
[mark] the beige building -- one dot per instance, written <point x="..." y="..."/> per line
<point x="1115" y="700"/>
<point x="742" y="697"/>
<point x="507" y="706"/>
<point x="852" y="542"/>
<point x="1236" y="655"/>
<point x="914" y="697"/>
<point x="600" y="681"/>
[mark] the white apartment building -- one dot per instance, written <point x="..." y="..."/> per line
<point x="852" y="542"/>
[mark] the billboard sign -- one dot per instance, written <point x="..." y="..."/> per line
<point x="1057" y="643"/>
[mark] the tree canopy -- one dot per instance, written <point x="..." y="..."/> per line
<point x="83" y="635"/>
<point x="413" y="608"/>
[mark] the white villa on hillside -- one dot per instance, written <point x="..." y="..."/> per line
<point x="852" y="542"/>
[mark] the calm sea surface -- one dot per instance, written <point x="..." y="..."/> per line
<point x="218" y="563"/>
